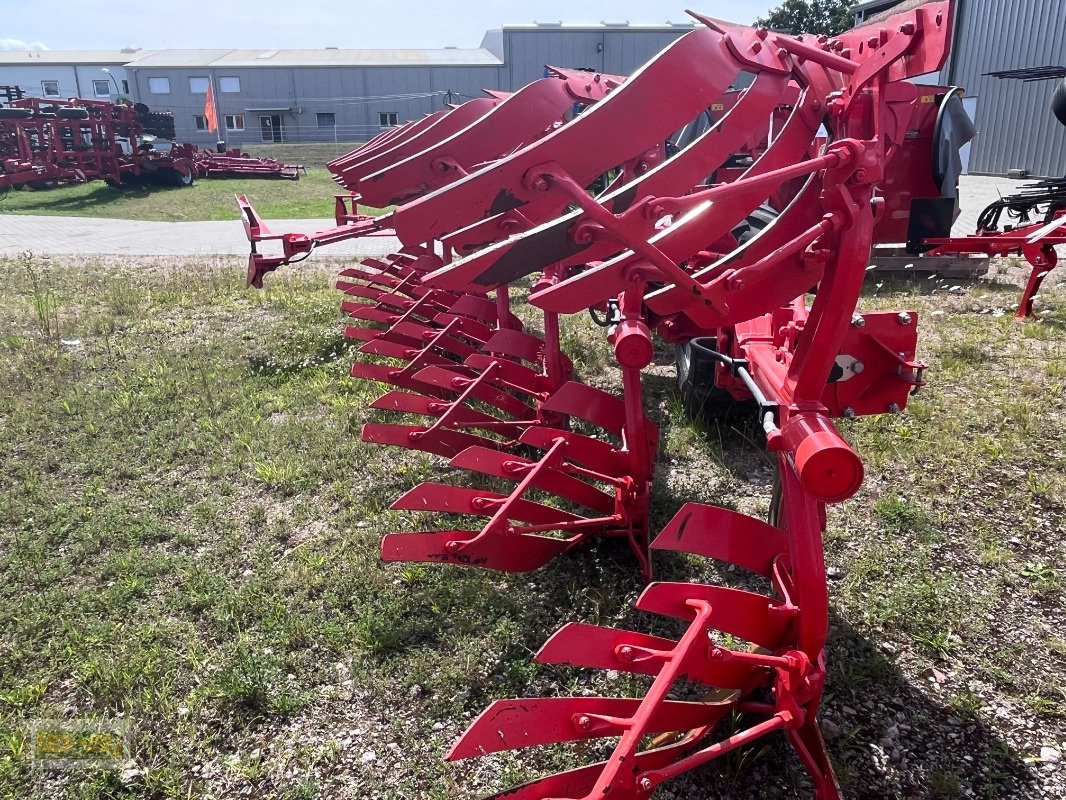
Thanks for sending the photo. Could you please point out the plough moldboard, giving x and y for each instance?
(700, 200)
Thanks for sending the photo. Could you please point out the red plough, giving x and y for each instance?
(644, 209)
(409, 160)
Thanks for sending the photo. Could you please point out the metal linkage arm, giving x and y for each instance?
(657, 100)
(519, 120)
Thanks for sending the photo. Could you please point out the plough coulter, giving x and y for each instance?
(704, 200)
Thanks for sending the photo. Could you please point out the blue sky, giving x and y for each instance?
(107, 24)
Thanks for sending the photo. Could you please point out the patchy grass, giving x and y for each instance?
(311, 197)
(310, 154)
(190, 528)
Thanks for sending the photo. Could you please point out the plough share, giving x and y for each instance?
(646, 209)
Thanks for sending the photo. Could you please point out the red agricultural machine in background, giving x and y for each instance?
(702, 200)
(1029, 224)
(45, 142)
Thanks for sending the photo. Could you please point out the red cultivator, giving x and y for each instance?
(701, 199)
(44, 142)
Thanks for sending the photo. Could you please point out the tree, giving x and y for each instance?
(830, 17)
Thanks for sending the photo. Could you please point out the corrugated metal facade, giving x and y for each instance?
(1017, 128)
(351, 98)
(313, 103)
(612, 49)
(344, 94)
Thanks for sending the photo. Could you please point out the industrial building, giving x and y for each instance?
(1016, 128)
(349, 95)
(331, 93)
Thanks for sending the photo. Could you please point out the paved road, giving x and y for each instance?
(83, 235)
(95, 236)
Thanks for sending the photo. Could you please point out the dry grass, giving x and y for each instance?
(190, 524)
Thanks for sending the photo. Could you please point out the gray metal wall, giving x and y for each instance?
(1017, 128)
(616, 51)
(356, 95)
(303, 92)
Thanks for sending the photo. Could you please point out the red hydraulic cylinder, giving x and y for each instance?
(827, 466)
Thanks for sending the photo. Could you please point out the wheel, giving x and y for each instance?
(695, 381)
(1058, 102)
(760, 218)
(181, 174)
(72, 113)
(16, 113)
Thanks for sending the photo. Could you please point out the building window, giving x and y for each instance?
(387, 119)
(235, 122)
(198, 85)
(159, 85)
(229, 85)
(102, 88)
(50, 88)
(327, 120)
(125, 86)
(200, 121)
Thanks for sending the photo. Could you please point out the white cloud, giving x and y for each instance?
(19, 44)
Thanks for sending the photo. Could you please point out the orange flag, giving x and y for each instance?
(209, 109)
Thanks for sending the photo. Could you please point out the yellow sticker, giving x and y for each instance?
(718, 107)
(928, 98)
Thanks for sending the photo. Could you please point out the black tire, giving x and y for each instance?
(72, 113)
(16, 113)
(700, 397)
(180, 175)
(1058, 102)
(760, 218)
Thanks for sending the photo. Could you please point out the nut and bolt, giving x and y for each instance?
(903, 318)
(893, 408)
(583, 723)
(858, 321)
(849, 412)
(645, 784)
(858, 367)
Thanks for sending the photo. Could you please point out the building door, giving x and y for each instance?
(270, 125)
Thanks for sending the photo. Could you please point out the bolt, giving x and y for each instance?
(907, 28)
(903, 318)
(756, 47)
(762, 33)
(858, 321)
(583, 723)
(849, 412)
(625, 652)
(453, 546)
(540, 184)
(645, 784)
(858, 367)
(861, 175)
(873, 42)
(893, 408)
